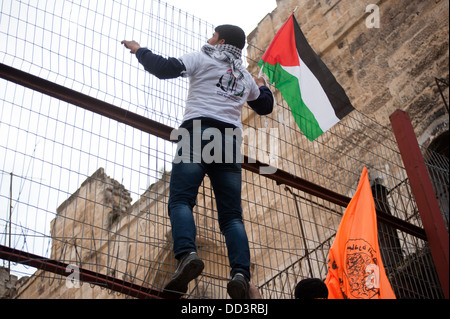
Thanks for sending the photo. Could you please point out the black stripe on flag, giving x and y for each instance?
(334, 91)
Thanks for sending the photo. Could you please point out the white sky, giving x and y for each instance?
(243, 13)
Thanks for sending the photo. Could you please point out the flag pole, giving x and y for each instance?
(262, 67)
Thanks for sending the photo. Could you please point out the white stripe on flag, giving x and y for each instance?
(314, 96)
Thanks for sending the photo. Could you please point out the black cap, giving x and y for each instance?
(232, 35)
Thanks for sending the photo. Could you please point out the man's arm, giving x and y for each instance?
(263, 105)
(160, 67)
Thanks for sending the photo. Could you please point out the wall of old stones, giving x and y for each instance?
(382, 69)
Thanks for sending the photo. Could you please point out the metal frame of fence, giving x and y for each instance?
(69, 127)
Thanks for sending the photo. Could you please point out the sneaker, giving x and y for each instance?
(238, 287)
(189, 268)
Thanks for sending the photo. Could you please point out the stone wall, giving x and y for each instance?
(381, 69)
(81, 236)
(9, 283)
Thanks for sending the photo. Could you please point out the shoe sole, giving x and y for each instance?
(236, 290)
(179, 283)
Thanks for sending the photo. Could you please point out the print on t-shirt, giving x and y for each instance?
(231, 87)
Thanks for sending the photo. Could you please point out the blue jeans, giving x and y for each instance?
(186, 178)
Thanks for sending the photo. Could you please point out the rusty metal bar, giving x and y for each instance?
(163, 131)
(424, 195)
(84, 275)
(284, 178)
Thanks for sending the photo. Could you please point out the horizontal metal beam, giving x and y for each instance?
(424, 195)
(163, 131)
(84, 275)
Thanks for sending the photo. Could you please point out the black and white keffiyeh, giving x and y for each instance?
(229, 54)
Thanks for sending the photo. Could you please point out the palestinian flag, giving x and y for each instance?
(316, 99)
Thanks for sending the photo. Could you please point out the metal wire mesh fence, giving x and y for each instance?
(87, 190)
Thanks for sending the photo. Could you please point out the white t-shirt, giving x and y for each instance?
(214, 92)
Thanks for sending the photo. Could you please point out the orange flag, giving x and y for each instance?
(355, 268)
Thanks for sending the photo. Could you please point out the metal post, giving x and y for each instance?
(10, 218)
(424, 195)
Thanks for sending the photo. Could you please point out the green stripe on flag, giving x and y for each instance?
(289, 87)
